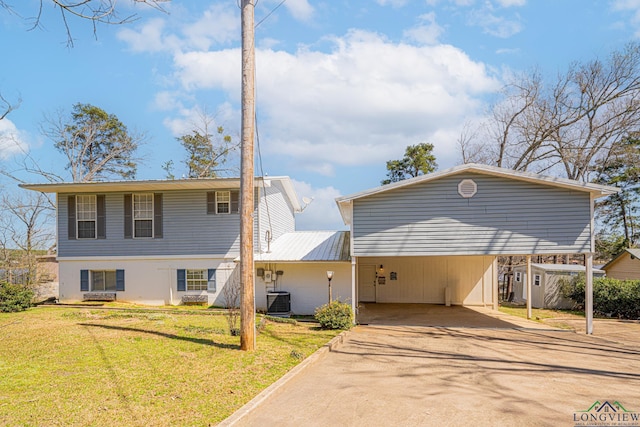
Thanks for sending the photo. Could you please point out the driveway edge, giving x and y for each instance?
(276, 386)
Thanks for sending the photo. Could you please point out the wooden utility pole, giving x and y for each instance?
(247, 301)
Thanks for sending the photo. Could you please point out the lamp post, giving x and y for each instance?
(329, 277)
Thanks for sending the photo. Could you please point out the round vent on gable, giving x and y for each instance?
(467, 188)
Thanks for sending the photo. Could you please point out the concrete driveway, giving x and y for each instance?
(492, 369)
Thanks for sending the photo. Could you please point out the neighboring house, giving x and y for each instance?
(546, 281)
(436, 238)
(625, 265)
(159, 242)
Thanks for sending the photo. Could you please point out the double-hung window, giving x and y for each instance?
(86, 216)
(200, 279)
(143, 215)
(223, 202)
(518, 276)
(537, 279)
(197, 280)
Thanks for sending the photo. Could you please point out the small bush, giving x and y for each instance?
(335, 315)
(14, 297)
(611, 297)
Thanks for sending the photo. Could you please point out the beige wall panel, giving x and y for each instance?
(625, 269)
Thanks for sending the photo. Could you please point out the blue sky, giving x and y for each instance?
(342, 86)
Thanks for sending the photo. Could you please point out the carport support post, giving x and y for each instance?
(528, 285)
(588, 291)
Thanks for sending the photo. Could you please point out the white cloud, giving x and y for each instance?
(300, 9)
(12, 140)
(427, 32)
(493, 24)
(220, 24)
(361, 99)
(322, 213)
(217, 26)
(512, 3)
(148, 38)
(631, 6)
(393, 3)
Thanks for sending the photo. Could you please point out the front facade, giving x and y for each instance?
(159, 242)
(431, 239)
(436, 238)
(547, 280)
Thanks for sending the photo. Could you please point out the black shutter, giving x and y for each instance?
(120, 280)
(182, 280)
(84, 280)
(101, 217)
(211, 202)
(235, 202)
(71, 215)
(128, 216)
(157, 215)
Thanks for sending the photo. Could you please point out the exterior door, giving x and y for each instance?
(524, 286)
(367, 283)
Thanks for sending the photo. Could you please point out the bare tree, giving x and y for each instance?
(231, 294)
(26, 222)
(567, 125)
(7, 106)
(94, 11)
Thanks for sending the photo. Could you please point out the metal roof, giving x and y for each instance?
(163, 185)
(597, 190)
(308, 246)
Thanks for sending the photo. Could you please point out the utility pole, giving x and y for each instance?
(247, 300)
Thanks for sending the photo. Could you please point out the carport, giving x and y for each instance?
(436, 238)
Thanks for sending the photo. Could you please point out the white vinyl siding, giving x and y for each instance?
(86, 214)
(143, 215)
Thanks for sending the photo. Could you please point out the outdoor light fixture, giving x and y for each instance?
(381, 269)
(329, 277)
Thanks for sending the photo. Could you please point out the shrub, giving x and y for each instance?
(14, 297)
(611, 297)
(335, 315)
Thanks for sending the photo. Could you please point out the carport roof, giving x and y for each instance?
(596, 190)
(308, 246)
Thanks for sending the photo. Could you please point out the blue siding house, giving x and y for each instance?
(159, 242)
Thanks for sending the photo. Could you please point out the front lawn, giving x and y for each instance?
(91, 366)
(552, 317)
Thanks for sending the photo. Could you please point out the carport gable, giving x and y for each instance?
(473, 210)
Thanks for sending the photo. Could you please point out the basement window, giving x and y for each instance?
(467, 188)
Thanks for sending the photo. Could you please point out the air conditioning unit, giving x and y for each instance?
(279, 303)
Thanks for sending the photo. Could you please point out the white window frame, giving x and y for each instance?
(537, 279)
(222, 195)
(518, 276)
(93, 273)
(142, 218)
(83, 200)
(191, 279)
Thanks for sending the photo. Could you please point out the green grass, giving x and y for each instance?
(551, 317)
(135, 367)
